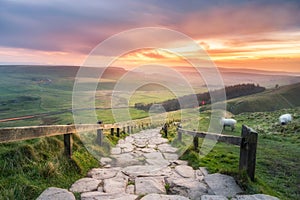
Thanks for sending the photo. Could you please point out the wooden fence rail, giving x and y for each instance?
(13, 134)
(32, 132)
(247, 143)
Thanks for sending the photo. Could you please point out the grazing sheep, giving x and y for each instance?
(228, 122)
(285, 119)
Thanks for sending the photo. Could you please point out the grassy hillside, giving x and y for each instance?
(29, 167)
(277, 166)
(270, 100)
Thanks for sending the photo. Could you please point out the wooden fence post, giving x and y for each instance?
(99, 139)
(248, 151)
(179, 136)
(165, 129)
(112, 131)
(68, 144)
(196, 142)
(118, 132)
(128, 130)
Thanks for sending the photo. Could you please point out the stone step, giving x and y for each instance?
(146, 167)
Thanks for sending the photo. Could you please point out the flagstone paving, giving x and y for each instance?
(144, 166)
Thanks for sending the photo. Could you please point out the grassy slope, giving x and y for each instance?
(29, 167)
(270, 100)
(278, 166)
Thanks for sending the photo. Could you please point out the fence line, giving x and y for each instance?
(13, 134)
(247, 143)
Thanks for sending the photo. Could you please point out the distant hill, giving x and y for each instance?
(270, 100)
(235, 76)
(188, 101)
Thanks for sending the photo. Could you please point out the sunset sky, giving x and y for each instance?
(255, 34)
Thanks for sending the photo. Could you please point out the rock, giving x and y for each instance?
(105, 160)
(199, 175)
(159, 162)
(172, 176)
(100, 189)
(101, 196)
(213, 197)
(130, 189)
(180, 162)
(56, 193)
(147, 185)
(185, 171)
(127, 197)
(152, 146)
(203, 170)
(154, 155)
(148, 150)
(188, 187)
(115, 150)
(121, 141)
(255, 197)
(170, 156)
(85, 185)
(101, 174)
(146, 170)
(157, 140)
(137, 153)
(166, 148)
(163, 197)
(149, 147)
(129, 139)
(141, 143)
(126, 147)
(126, 159)
(156, 158)
(222, 184)
(115, 185)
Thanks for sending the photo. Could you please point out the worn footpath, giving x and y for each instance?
(144, 166)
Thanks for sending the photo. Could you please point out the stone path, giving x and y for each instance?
(145, 167)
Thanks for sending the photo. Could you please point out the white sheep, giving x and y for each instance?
(285, 119)
(228, 122)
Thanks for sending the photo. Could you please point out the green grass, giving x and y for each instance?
(271, 100)
(277, 166)
(274, 99)
(29, 167)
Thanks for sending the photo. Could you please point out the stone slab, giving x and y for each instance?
(148, 185)
(85, 185)
(56, 193)
(221, 184)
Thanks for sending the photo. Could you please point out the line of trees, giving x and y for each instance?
(189, 101)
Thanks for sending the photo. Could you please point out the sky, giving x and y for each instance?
(250, 34)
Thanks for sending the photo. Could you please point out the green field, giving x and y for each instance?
(28, 167)
(270, 100)
(277, 166)
(46, 94)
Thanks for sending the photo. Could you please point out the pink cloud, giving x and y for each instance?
(237, 20)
